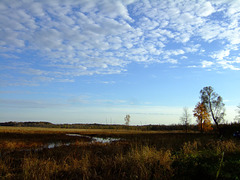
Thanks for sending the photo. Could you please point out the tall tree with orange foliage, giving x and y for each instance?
(203, 117)
(207, 125)
(214, 105)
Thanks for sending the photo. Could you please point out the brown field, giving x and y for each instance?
(40, 130)
(137, 154)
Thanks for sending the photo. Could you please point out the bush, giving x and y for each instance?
(145, 163)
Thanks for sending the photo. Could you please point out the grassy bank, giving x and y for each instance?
(139, 155)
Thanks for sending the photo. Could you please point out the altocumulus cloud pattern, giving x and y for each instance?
(59, 40)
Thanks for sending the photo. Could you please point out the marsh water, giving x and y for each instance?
(92, 140)
(96, 139)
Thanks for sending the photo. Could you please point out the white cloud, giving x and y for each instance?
(234, 7)
(192, 48)
(22, 103)
(115, 9)
(103, 37)
(237, 60)
(108, 82)
(207, 64)
(32, 71)
(66, 80)
(225, 60)
(192, 66)
(221, 54)
(228, 65)
(147, 24)
(168, 54)
(205, 9)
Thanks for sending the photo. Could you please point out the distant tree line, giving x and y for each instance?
(28, 124)
(99, 126)
(226, 128)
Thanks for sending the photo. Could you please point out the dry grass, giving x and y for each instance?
(39, 130)
(12, 145)
(145, 163)
(227, 146)
(149, 163)
(190, 148)
(142, 155)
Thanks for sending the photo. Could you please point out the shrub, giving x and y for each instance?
(145, 163)
(223, 146)
(190, 148)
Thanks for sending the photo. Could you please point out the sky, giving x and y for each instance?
(95, 61)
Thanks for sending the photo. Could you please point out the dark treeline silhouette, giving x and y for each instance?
(28, 124)
(226, 128)
(99, 126)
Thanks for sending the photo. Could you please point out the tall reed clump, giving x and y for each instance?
(5, 166)
(144, 163)
(226, 146)
(75, 168)
(68, 168)
(13, 145)
(35, 168)
(190, 149)
(216, 159)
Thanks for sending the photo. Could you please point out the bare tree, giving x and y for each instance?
(185, 118)
(237, 118)
(214, 104)
(127, 119)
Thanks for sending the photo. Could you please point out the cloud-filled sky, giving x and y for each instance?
(68, 61)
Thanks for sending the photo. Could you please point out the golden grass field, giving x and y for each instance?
(32, 130)
(138, 155)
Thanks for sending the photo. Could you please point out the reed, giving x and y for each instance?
(136, 156)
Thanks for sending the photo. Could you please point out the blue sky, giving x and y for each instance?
(95, 61)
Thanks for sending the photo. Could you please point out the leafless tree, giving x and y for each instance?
(237, 118)
(127, 119)
(185, 118)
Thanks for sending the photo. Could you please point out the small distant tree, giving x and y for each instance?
(214, 105)
(185, 118)
(127, 119)
(237, 118)
(203, 118)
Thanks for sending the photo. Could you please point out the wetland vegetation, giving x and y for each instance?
(132, 154)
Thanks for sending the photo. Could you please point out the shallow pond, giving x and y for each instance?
(92, 140)
(56, 144)
(96, 139)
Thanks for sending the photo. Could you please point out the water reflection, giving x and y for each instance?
(92, 140)
(59, 144)
(55, 144)
(105, 140)
(97, 139)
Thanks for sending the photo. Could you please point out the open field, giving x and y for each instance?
(136, 155)
(33, 130)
